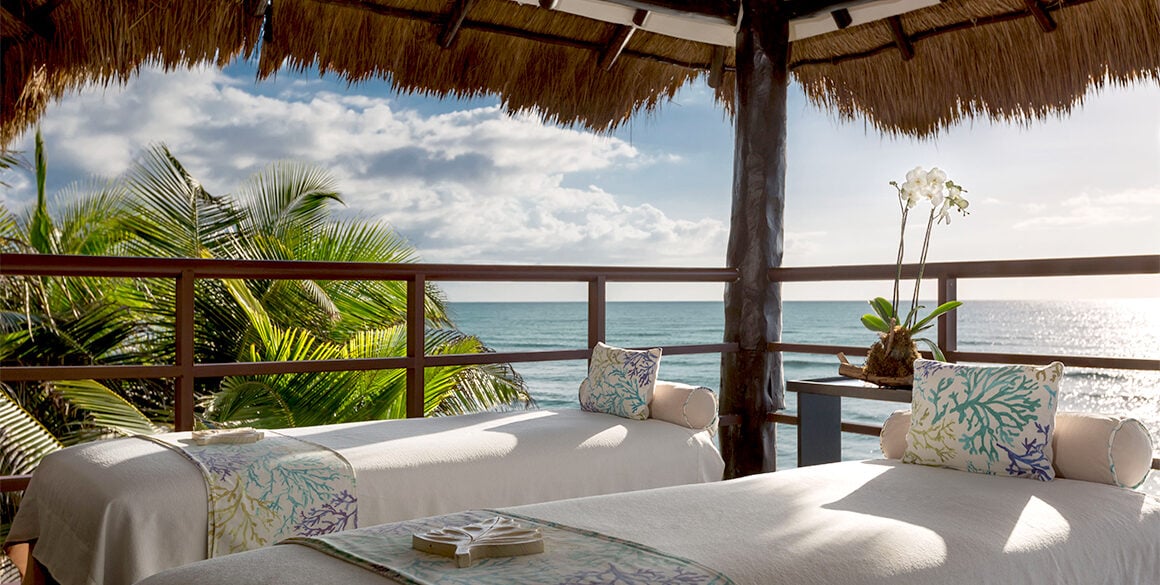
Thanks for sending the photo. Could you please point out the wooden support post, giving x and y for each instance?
(620, 40)
(842, 18)
(752, 380)
(597, 311)
(1041, 15)
(416, 338)
(717, 67)
(900, 38)
(948, 323)
(454, 21)
(183, 397)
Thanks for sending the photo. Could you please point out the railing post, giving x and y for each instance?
(416, 340)
(597, 309)
(948, 323)
(183, 334)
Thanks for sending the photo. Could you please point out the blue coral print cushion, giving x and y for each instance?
(984, 419)
(620, 381)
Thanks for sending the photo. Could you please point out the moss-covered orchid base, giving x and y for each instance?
(893, 355)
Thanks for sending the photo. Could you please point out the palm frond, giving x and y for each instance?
(172, 215)
(287, 201)
(23, 440)
(107, 412)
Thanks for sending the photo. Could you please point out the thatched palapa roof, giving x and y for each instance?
(599, 62)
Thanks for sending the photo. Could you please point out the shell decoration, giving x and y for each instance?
(495, 537)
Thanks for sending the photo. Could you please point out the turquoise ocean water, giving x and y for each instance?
(1122, 328)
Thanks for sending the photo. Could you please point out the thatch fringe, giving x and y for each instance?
(561, 82)
(98, 41)
(1011, 71)
(973, 58)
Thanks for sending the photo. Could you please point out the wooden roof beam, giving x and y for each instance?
(38, 21)
(714, 9)
(1041, 16)
(900, 38)
(842, 18)
(620, 40)
(454, 22)
(717, 67)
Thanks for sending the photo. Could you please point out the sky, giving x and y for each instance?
(466, 183)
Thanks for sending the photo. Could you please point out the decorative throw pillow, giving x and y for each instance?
(620, 381)
(984, 419)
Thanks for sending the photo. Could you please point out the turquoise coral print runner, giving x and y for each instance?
(571, 557)
(275, 488)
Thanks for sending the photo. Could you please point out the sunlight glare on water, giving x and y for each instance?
(1120, 328)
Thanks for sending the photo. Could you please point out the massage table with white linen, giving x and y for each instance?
(117, 511)
(853, 523)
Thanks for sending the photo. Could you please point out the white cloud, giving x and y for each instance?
(1134, 206)
(470, 185)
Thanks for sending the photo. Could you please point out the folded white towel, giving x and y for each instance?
(227, 436)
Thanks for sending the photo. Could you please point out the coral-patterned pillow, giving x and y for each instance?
(620, 381)
(984, 419)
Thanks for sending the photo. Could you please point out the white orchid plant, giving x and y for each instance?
(944, 196)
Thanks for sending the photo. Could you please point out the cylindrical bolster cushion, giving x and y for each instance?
(893, 437)
(1103, 449)
(689, 406)
(1088, 447)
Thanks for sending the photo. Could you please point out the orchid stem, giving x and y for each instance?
(921, 270)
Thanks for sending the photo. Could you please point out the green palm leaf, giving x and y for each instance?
(105, 409)
(23, 440)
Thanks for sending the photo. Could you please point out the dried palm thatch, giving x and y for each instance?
(534, 59)
(53, 46)
(911, 75)
(980, 59)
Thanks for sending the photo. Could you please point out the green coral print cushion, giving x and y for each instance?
(984, 419)
(620, 381)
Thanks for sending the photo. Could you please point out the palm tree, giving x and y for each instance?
(284, 213)
(159, 210)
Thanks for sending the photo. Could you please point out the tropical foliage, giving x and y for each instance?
(158, 209)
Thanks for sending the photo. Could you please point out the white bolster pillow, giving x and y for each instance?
(1103, 449)
(1089, 447)
(893, 437)
(689, 406)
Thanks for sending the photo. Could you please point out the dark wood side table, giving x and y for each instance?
(819, 431)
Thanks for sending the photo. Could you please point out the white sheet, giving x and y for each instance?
(853, 523)
(112, 513)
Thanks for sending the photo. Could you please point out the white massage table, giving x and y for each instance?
(113, 512)
(852, 523)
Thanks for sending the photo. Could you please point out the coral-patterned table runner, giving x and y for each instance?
(571, 556)
(275, 488)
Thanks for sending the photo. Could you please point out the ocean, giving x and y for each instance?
(1119, 328)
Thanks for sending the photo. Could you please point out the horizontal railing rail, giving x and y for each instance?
(947, 274)
(185, 272)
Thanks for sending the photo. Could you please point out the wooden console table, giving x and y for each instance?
(819, 430)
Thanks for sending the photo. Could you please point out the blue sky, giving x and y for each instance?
(466, 183)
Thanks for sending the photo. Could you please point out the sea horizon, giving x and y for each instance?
(1099, 328)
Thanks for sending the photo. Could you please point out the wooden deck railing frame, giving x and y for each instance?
(186, 272)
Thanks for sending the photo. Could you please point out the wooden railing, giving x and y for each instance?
(185, 272)
(947, 275)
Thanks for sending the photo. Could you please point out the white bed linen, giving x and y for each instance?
(852, 523)
(114, 512)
